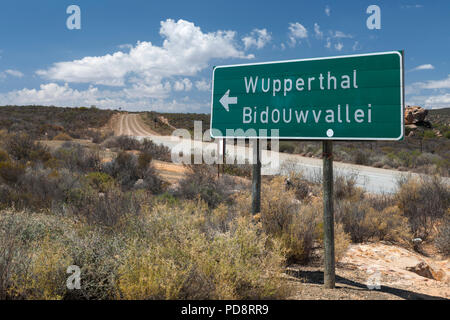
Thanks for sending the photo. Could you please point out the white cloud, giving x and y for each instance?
(423, 67)
(328, 10)
(340, 35)
(435, 101)
(430, 94)
(257, 38)
(338, 46)
(434, 84)
(297, 32)
(125, 46)
(185, 51)
(328, 44)
(202, 85)
(63, 95)
(318, 33)
(183, 85)
(12, 73)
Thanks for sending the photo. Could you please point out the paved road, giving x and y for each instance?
(373, 180)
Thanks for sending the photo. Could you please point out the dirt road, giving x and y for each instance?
(131, 124)
(374, 180)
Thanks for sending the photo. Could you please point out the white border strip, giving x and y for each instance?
(402, 100)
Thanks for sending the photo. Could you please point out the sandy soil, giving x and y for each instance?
(379, 266)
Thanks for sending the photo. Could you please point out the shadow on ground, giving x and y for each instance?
(316, 277)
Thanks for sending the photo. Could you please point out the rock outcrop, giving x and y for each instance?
(415, 115)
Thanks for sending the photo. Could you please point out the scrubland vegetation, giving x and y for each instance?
(164, 123)
(55, 122)
(134, 236)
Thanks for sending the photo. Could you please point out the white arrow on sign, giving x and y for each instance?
(226, 100)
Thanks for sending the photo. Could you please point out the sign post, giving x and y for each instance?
(356, 97)
(256, 179)
(328, 215)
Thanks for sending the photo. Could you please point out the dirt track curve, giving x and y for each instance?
(132, 125)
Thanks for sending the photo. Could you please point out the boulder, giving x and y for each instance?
(415, 115)
(423, 270)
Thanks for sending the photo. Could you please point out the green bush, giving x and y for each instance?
(100, 181)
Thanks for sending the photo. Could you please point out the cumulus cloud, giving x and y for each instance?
(297, 32)
(433, 84)
(258, 38)
(203, 85)
(328, 10)
(430, 94)
(63, 95)
(183, 85)
(185, 51)
(423, 67)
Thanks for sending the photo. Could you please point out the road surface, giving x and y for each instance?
(373, 180)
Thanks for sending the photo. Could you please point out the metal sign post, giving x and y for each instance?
(328, 215)
(256, 179)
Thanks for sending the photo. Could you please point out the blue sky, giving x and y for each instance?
(158, 55)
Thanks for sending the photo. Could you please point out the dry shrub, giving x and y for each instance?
(424, 201)
(284, 218)
(124, 168)
(278, 207)
(62, 137)
(341, 241)
(106, 209)
(364, 223)
(301, 187)
(99, 254)
(75, 157)
(4, 156)
(388, 224)
(40, 188)
(22, 147)
(301, 234)
(33, 254)
(344, 187)
(201, 181)
(158, 152)
(45, 278)
(11, 255)
(442, 240)
(122, 143)
(177, 260)
(152, 181)
(10, 172)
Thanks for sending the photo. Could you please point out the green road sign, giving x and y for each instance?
(358, 97)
